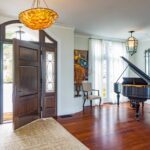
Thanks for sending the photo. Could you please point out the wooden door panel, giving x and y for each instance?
(50, 112)
(28, 54)
(30, 105)
(50, 102)
(50, 105)
(21, 121)
(26, 98)
(28, 80)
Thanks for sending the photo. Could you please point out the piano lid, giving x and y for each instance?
(138, 71)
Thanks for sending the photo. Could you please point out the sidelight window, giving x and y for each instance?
(50, 71)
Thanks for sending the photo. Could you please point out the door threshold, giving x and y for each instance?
(9, 121)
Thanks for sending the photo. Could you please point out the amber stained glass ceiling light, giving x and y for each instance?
(38, 18)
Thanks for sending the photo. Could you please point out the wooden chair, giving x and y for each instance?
(88, 93)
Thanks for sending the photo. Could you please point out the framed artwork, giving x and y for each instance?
(80, 70)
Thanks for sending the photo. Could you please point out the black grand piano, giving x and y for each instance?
(136, 89)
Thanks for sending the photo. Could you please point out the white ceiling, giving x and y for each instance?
(105, 18)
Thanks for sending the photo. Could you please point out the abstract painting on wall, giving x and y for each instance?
(80, 70)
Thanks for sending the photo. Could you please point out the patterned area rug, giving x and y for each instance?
(42, 134)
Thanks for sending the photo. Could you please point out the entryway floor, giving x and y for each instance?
(7, 116)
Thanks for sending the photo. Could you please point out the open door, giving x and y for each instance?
(26, 89)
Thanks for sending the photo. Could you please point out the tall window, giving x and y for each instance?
(113, 66)
(95, 49)
(106, 66)
(50, 71)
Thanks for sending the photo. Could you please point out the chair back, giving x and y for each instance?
(87, 86)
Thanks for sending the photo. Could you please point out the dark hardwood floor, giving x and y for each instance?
(110, 127)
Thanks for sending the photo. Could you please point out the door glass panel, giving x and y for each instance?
(21, 32)
(50, 72)
(7, 81)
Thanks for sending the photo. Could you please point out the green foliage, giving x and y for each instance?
(7, 63)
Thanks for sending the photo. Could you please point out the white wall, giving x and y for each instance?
(81, 42)
(139, 56)
(4, 19)
(138, 59)
(133, 60)
(65, 39)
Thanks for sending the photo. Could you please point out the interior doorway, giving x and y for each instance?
(7, 82)
(9, 31)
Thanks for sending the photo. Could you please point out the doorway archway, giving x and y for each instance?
(48, 76)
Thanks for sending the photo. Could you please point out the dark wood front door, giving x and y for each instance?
(49, 98)
(26, 90)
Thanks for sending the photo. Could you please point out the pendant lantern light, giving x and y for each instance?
(131, 44)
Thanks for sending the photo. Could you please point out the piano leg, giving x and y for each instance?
(133, 103)
(137, 110)
(118, 98)
(142, 104)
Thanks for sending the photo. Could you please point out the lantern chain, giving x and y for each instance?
(33, 4)
(37, 3)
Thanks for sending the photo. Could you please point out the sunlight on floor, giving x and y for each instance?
(7, 104)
